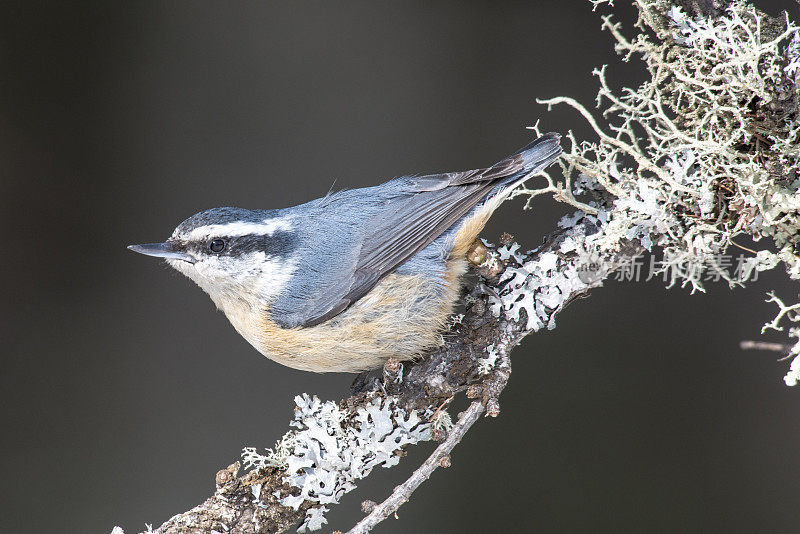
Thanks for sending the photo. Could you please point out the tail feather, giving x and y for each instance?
(532, 158)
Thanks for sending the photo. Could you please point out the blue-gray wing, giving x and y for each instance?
(413, 216)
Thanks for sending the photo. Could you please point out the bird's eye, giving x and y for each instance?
(216, 245)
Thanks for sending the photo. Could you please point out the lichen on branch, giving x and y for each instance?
(704, 155)
(700, 156)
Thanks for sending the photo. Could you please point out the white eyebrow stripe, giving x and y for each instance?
(239, 228)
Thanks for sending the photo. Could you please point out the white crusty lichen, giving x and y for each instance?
(487, 363)
(148, 530)
(440, 421)
(703, 155)
(543, 284)
(792, 314)
(331, 448)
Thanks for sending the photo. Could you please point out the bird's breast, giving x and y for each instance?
(401, 317)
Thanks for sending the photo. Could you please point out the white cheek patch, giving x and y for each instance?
(239, 228)
(275, 276)
(256, 277)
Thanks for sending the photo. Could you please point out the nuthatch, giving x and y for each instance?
(347, 281)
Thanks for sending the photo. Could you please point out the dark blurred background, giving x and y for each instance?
(124, 391)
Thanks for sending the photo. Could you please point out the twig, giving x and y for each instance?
(439, 409)
(743, 248)
(488, 391)
(441, 455)
(748, 344)
(783, 348)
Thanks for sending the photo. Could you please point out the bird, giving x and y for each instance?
(347, 281)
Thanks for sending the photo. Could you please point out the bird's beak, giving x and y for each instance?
(161, 250)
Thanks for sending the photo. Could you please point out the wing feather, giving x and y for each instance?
(411, 221)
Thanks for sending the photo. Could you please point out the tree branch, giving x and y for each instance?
(439, 458)
(644, 192)
(515, 294)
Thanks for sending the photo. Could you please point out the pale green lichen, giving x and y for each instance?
(330, 449)
(705, 152)
(544, 284)
(792, 314)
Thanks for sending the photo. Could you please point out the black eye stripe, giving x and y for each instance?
(278, 243)
(274, 244)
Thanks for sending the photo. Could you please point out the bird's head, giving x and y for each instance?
(237, 256)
